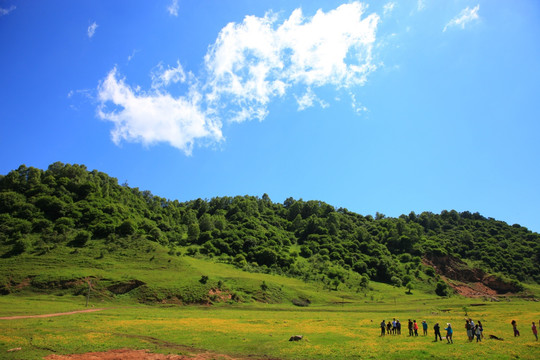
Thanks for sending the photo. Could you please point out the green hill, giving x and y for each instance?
(66, 227)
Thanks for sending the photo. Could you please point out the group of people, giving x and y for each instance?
(473, 330)
(394, 328)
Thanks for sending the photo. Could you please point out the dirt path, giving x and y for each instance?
(49, 315)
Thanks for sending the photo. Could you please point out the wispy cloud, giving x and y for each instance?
(80, 96)
(87, 93)
(357, 105)
(250, 64)
(173, 8)
(388, 8)
(130, 57)
(466, 16)
(309, 99)
(7, 11)
(92, 29)
(420, 5)
(162, 77)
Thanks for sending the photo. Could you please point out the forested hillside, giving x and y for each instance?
(67, 205)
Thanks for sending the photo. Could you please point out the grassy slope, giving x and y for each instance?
(332, 330)
(161, 272)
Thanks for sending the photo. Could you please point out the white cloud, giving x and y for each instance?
(154, 117)
(388, 8)
(466, 16)
(92, 29)
(256, 60)
(250, 64)
(7, 11)
(173, 8)
(420, 5)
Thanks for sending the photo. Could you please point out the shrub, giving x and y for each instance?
(396, 281)
(81, 238)
(430, 272)
(442, 289)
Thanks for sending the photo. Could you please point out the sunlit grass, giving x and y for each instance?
(339, 324)
(330, 331)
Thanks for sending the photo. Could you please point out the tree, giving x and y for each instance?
(51, 206)
(336, 283)
(193, 232)
(21, 245)
(240, 260)
(126, 228)
(266, 257)
(364, 281)
(206, 223)
(409, 287)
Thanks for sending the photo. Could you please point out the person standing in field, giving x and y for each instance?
(437, 330)
(410, 325)
(481, 329)
(469, 330)
(534, 330)
(415, 327)
(398, 327)
(449, 333)
(383, 328)
(389, 328)
(394, 326)
(424, 327)
(514, 326)
(478, 333)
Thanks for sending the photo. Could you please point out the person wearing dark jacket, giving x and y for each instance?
(437, 330)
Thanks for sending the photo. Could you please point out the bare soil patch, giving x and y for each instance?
(476, 289)
(129, 354)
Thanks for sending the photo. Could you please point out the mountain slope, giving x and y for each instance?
(67, 209)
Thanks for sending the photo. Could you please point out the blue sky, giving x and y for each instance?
(381, 106)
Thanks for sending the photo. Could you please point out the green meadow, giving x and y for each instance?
(337, 324)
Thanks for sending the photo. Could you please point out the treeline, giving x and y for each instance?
(69, 205)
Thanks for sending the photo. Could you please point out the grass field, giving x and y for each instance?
(344, 331)
(341, 324)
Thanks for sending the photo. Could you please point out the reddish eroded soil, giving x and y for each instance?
(468, 281)
(219, 295)
(473, 289)
(47, 315)
(128, 354)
